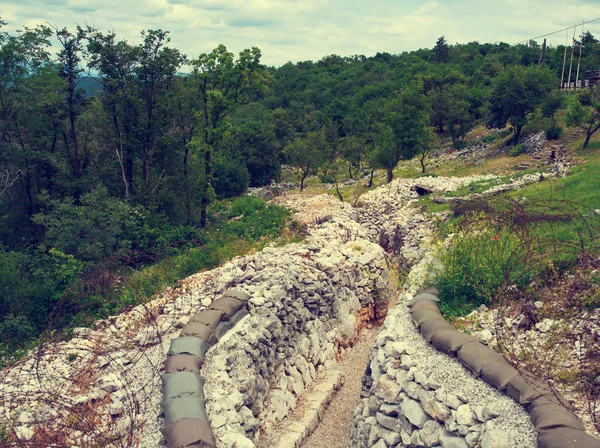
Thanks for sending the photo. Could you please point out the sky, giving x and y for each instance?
(300, 30)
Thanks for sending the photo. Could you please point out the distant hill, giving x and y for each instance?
(91, 85)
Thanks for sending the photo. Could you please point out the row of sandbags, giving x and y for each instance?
(183, 404)
(557, 427)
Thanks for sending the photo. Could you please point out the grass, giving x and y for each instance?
(469, 277)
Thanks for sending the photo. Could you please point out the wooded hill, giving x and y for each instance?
(114, 151)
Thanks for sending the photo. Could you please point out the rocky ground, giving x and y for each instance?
(103, 386)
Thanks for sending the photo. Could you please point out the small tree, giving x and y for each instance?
(405, 132)
(517, 92)
(586, 112)
(552, 104)
(307, 154)
(441, 53)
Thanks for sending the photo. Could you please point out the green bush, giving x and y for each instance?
(477, 263)
(489, 138)
(517, 150)
(554, 132)
(231, 177)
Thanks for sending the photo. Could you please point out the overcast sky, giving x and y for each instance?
(295, 30)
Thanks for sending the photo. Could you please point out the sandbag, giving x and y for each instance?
(562, 437)
(229, 305)
(425, 314)
(180, 408)
(430, 304)
(498, 373)
(182, 385)
(238, 316)
(189, 433)
(188, 345)
(475, 355)
(200, 330)
(423, 296)
(429, 328)
(450, 340)
(208, 317)
(526, 387)
(546, 415)
(183, 363)
(222, 329)
(240, 295)
(430, 290)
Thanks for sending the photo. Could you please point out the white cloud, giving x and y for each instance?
(310, 29)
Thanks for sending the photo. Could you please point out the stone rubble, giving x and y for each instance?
(410, 389)
(305, 299)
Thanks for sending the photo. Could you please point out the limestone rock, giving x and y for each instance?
(413, 411)
(447, 440)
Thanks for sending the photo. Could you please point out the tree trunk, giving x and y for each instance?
(370, 184)
(304, 174)
(588, 135)
(207, 173)
(337, 189)
(390, 175)
(518, 130)
(350, 170)
(422, 160)
(587, 139)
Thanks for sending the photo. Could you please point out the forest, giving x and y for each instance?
(115, 156)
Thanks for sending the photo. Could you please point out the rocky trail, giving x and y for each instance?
(103, 386)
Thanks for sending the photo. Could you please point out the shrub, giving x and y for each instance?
(507, 243)
(477, 263)
(231, 177)
(517, 150)
(489, 138)
(554, 132)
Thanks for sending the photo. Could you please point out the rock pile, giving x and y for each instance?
(303, 305)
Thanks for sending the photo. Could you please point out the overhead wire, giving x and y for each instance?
(559, 31)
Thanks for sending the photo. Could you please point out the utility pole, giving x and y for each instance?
(572, 52)
(562, 78)
(542, 60)
(579, 62)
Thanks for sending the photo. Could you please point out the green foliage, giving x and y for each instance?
(554, 132)
(516, 150)
(517, 92)
(552, 104)
(231, 176)
(586, 112)
(441, 51)
(477, 263)
(97, 228)
(307, 154)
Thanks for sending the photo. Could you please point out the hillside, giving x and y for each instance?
(218, 251)
(108, 375)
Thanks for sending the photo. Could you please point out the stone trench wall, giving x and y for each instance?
(417, 396)
(304, 303)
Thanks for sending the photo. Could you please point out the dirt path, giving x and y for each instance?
(332, 432)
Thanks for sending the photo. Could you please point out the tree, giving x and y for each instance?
(586, 112)
(69, 59)
(552, 104)
(516, 93)
(222, 84)
(441, 53)
(440, 101)
(307, 154)
(157, 67)
(405, 131)
(460, 121)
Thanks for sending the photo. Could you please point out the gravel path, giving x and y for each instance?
(333, 430)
